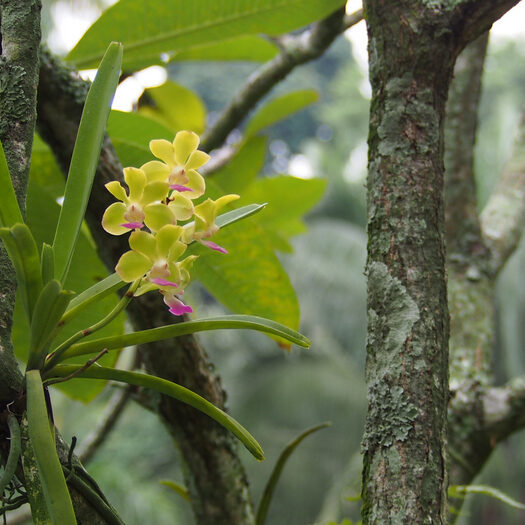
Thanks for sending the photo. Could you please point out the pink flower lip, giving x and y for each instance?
(163, 282)
(179, 187)
(132, 225)
(180, 309)
(214, 246)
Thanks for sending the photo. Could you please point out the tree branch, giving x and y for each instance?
(295, 50)
(20, 38)
(503, 218)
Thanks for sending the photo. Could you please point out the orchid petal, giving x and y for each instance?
(224, 200)
(177, 307)
(166, 237)
(163, 150)
(196, 183)
(176, 250)
(132, 265)
(158, 215)
(115, 188)
(156, 171)
(188, 231)
(155, 191)
(197, 159)
(144, 243)
(184, 144)
(181, 206)
(113, 218)
(214, 246)
(136, 180)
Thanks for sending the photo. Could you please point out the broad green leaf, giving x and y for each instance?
(22, 250)
(250, 278)
(149, 29)
(50, 305)
(249, 48)
(279, 109)
(176, 107)
(85, 158)
(170, 389)
(241, 171)
(10, 212)
(288, 198)
(227, 322)
(42, 439)
(460, 491)
(266, 498)
(131, 133)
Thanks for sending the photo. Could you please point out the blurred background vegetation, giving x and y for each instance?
(277, 394)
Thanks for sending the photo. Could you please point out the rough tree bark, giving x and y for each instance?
(413, 45)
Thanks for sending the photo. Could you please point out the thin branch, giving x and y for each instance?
(503, 218)
(114, 410)
(295, 50)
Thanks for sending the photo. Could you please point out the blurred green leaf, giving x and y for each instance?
(9, 211)
(176, 107)
(241, 171)
(176, 487)
(250, 278)
(461, 491)
(148, 29)
(249, 48)
(84, 160)
(131, 133)
(266, 498)
(288, 198)
(279, 109)
(170, 389)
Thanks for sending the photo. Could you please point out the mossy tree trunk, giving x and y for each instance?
(412, 50)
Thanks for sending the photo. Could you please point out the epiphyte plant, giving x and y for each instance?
(158, 209)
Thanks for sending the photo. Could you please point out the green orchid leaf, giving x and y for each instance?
(176, 107)
(15, 448)
(23, 252)
(50, 306)
(47, 263)
(266, 498)
(85, 159)
(279, 109)
(94, 293)
(460, 491)
(166, 26)
(10, 212)
(170, 389)
(227, 322)
(43, 442)
(248, 48)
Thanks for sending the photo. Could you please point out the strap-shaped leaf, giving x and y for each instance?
(170, 389)
(49, 308)
(10, 212)
(266, 498)
(94, 293)
(227, 322)
(47, 263)
(51, 475)
(15, 448)
(85, 158)
(23, 252)
(460, 491)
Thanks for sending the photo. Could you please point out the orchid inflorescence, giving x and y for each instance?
(159, 211)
